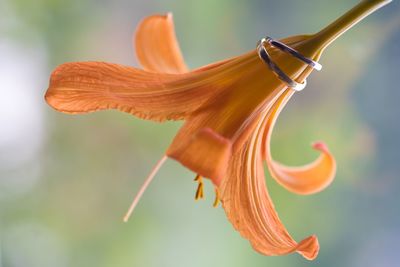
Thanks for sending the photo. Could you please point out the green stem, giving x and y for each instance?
(330, 33)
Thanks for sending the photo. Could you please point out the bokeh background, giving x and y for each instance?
(66, 181)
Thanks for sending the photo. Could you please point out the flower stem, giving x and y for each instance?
(330, 33)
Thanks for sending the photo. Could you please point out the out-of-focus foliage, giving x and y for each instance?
(66, 181)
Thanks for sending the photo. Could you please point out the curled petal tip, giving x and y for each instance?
(50, 99)
(156, 45)
(320, 146)
(47, 97)
(307, 179)
(309, 247)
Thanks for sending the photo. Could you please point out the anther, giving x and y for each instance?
(216, 200)
(200, 187)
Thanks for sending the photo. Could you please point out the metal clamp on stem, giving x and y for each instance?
(263, 53)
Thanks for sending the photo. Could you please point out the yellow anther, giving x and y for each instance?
(200, 188)
(200, 191)
(216, 200)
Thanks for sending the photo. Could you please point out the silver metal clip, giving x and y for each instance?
(263, 54)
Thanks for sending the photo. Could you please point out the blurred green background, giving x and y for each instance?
(66, 181)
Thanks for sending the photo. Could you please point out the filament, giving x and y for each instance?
(144, 186)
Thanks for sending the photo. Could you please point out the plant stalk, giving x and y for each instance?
(330, 33)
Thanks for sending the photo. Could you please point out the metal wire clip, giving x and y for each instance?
(263, 53)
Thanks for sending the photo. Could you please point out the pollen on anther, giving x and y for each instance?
(200, 188)
(216, 200)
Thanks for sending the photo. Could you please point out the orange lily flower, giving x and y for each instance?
(229, 108)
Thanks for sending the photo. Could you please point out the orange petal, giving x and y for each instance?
(157, 48)
(229, 121)
(90, 86)
(307, 179)
(231, 115)
(248, 205)
(207, 152)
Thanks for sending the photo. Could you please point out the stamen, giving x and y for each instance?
(216, 200)
(200, 188)
(144, 186)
